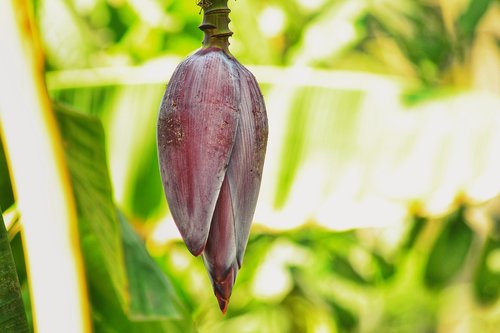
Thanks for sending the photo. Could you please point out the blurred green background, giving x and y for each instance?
(379, 207)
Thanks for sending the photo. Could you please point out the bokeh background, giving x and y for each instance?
(379, 207)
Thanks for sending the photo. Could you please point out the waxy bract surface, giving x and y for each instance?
(212, 135)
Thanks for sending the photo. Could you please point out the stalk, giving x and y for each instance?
(40, 179)
(215, 24)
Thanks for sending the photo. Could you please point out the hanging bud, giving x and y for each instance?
(212, 136)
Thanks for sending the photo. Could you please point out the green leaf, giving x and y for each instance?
(346, 320)
(385, 269)
(131, 120)
(417, 224)
(487, 277)
(131, 110)
(128, 291)
(449, 252)
(12, 314)
(16, 245)
(83, 139)
(6, 194)
(146, 193)
(342, 267)
(151, 294)
(470, 18)
(293, 149)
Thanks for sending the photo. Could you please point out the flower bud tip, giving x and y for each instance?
(222, 304)
(223, 288)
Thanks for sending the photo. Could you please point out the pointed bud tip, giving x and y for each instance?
(223, 289)
(222, 304)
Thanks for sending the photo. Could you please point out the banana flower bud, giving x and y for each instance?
(212, 135)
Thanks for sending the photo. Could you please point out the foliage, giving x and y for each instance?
(125, 284)
(378, 209)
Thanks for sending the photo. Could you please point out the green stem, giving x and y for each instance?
(215, 23)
